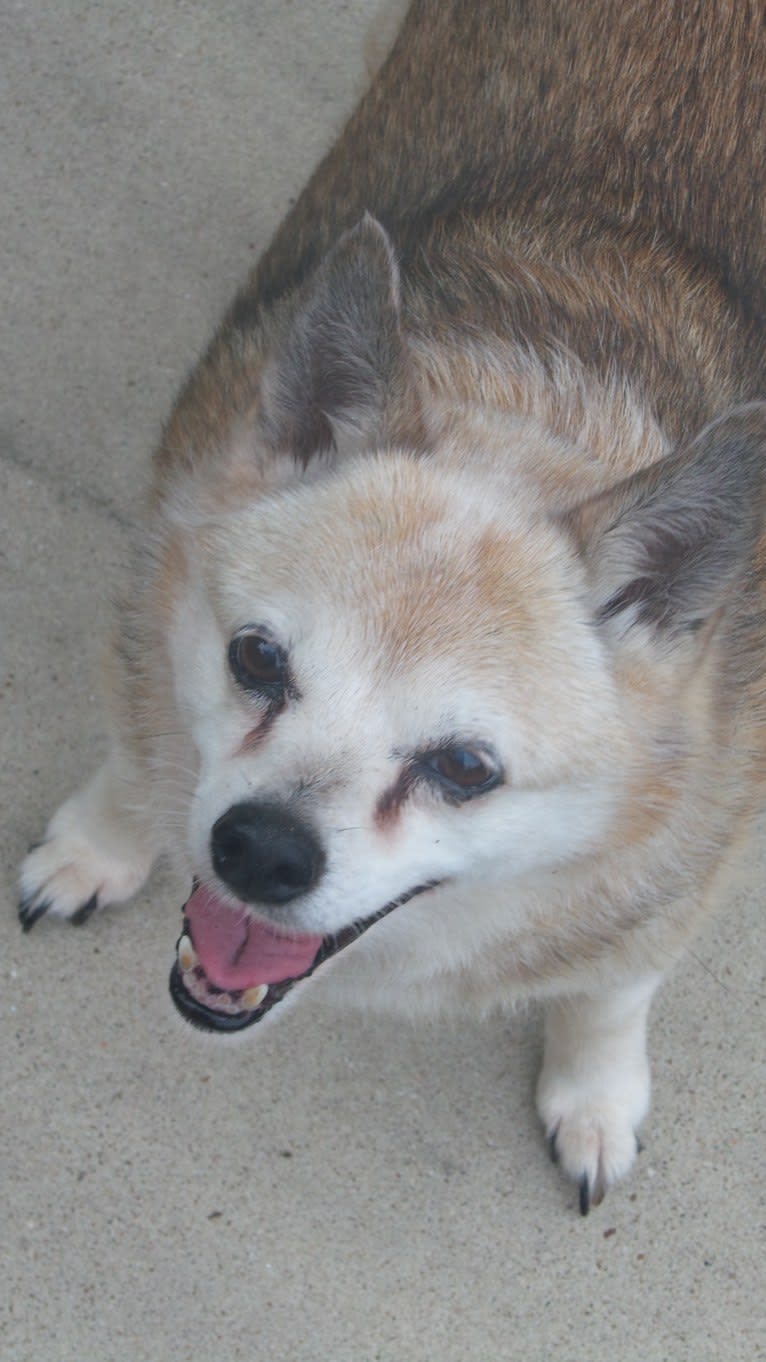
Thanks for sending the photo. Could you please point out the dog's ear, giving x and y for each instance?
(325, 385)
(668, 546)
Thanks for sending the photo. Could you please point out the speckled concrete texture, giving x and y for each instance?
(333, 1189)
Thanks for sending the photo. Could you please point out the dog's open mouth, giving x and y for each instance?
(231, 968)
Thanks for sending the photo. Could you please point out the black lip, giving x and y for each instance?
(198, 1014)
(207, 1019)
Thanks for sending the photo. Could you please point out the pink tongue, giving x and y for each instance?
(238, 951)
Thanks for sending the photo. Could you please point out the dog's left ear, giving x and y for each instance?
(326, 384)
(669, 545)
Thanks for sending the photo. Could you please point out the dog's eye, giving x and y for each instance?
(464, 770)
(258, 664)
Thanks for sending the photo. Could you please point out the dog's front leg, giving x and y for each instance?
(593, 1091)
(98, 848)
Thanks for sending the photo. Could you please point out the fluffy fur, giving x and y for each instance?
(480, 445)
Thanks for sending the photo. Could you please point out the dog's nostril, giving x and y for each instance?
(230, 846)
(291, 873)
(264, 854)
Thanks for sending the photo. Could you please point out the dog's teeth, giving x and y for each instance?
(187, 956)
(223, 1002)
(253, 997)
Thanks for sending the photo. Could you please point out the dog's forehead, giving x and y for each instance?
(410, 563)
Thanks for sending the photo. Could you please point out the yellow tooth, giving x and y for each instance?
(253, 997)
(187, 956)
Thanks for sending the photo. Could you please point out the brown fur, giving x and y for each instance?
(587, 175)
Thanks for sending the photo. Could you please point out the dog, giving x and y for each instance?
(447, 635)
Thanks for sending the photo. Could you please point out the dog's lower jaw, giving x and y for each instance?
(211, 1008)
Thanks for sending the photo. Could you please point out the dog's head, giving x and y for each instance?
(403, 673)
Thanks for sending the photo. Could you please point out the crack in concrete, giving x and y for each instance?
(95, 501)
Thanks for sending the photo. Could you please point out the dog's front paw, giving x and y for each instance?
(593, 1091)
(90, 856)
(66, 876)
(592, 1125)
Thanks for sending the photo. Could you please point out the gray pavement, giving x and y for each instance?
(334, 1189)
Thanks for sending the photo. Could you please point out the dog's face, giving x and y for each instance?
(394, 692)
(413, 688)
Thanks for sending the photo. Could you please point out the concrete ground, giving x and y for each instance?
(333, 1190)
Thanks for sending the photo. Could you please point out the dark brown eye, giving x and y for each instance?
(464, 770)
(258, 664)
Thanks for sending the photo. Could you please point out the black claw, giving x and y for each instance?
(35, 846)
(88, 909)
(29, 913)
(584, 1194)
(639, 1146)
(553, 1148)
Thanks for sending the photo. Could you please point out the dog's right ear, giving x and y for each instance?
(326, 384)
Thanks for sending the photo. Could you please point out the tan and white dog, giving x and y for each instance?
(448, 630)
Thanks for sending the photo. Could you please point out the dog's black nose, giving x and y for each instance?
(265, 854)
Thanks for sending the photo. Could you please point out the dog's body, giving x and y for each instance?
(454, 608)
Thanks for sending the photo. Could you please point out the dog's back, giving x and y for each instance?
(610, 153)
(650, 116)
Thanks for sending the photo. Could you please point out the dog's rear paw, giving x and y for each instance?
(89, 857)
(592, 1130)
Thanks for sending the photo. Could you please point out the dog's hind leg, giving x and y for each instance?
(98, 848)
(593, 1091)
